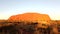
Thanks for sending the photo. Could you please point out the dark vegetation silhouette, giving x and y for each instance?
(28, 28)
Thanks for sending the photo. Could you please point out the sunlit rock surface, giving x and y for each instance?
(34, 17)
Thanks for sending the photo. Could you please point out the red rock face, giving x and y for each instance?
(30, 17)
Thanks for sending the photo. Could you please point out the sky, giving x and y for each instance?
(14, 7)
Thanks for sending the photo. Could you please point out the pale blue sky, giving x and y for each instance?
(13, 7)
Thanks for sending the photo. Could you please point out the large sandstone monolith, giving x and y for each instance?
(30, 17)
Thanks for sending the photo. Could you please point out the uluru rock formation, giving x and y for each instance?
(30, 17)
